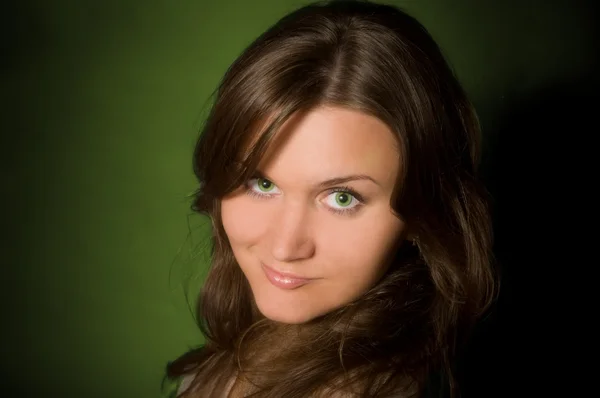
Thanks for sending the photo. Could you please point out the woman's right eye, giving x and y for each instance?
(261, 187)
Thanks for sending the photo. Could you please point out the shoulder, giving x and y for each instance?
(185, 383)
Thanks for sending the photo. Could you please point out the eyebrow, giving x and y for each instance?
(345, 179)
(333, 181)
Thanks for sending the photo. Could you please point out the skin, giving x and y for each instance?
(290, 223)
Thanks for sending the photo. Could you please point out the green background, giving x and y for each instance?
(101, 106)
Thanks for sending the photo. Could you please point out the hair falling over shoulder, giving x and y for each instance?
(378, 60)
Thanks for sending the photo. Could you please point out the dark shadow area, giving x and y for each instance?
(541, 175)
(538, 180)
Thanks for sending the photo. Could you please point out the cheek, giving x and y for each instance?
(242, 223)
(360, 253)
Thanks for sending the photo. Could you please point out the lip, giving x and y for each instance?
(284, 280)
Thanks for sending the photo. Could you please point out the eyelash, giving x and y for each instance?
(343, 189)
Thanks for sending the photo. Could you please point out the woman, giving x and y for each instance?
(351, 235)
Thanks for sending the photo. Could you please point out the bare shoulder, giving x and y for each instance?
(186, 381)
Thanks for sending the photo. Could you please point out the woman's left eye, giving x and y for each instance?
(343, 201)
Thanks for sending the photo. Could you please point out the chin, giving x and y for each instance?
(288, 320)
(281, 314)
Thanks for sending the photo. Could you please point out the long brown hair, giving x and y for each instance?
(378, 60)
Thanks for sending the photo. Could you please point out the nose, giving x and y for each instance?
(291, 234)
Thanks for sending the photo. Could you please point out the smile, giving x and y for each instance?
(284, 281)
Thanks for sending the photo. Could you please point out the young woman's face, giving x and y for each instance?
(314, 230)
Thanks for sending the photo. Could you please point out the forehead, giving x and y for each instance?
(328, 142)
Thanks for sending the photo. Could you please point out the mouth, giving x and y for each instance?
(284, 280)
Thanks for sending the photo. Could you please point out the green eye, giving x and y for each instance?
(343, 199)
(265, 185)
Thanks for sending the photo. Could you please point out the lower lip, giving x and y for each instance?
(282, 281)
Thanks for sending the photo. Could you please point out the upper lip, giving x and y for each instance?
(286, 274)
